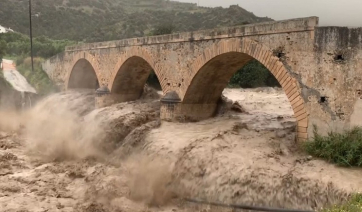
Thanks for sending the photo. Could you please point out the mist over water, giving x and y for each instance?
(55, 128)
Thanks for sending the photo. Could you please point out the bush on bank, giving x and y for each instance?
(354, 205)
(3, 82)
(344, 149)
(38, 79)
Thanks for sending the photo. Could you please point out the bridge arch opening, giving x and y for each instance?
(131, 78)
(153, 81)
(253, 75)
(83, 76)
(207, 84)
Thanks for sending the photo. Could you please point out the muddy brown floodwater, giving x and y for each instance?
(65, 155)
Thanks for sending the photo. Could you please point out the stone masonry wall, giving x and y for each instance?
(333, 88)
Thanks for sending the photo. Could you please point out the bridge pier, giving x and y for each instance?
(186, 112)
(172, 109)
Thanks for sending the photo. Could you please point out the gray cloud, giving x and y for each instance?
(330, 12)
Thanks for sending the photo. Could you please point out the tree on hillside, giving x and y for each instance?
(98, 21)
(163, 30)
(3, 48)
(16, 44)
(242, 23)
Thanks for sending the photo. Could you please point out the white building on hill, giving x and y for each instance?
(5, 30)
(2, 29)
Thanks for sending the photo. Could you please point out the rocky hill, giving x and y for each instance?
(100, 20)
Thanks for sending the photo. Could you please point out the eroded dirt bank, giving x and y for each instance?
(66, 156)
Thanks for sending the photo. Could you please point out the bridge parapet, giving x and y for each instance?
(265, 28)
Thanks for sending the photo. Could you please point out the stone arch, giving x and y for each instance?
(207, 77)
(131, 73)
(84, 72)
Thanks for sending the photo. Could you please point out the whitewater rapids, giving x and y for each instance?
(65, 155)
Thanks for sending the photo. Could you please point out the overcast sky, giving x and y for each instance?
(330, 12)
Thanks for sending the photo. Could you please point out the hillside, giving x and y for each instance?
(100, 20)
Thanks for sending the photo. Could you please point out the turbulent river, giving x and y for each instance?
(65, 155)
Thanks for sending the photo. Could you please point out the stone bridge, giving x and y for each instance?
(319, 68)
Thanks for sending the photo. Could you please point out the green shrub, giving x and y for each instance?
(344, 149)
(20, 60)
(252, 75)
(38, 79)
(4, 82)
(16, 44)
(354, 205)
(3, 48)
(163, 30)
